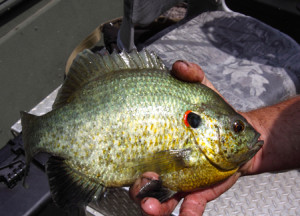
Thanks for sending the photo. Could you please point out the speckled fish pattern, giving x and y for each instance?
(117, 116)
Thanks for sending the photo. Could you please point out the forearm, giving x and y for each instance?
(279, 126)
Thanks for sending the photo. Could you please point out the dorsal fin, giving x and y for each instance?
(88, 66)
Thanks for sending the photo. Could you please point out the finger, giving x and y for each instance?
(153, 207)
(215, 191)
(140, 182)
(191, 72)
(187, 71)
(194, 203)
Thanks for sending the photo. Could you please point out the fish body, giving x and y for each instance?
(119, 115)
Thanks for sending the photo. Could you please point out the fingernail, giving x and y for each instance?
(184, 66)
(144, 200)
(184, 62)
(237, 174)
(145, 181)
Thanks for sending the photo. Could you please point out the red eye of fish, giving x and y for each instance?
(191, 119)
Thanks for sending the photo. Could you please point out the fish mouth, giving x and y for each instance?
(255, 145)
(256, 142)
(259, 143)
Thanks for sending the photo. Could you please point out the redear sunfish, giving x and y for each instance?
(117, 116)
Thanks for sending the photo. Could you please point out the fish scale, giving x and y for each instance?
(118, 116)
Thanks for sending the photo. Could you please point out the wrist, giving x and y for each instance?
(279, 128)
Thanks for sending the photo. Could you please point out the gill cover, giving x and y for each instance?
(235, 142)
(225, 137)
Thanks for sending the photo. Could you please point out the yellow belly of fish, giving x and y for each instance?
(201, 176)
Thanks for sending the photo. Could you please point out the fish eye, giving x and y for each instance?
(191, 119)
(238, 126)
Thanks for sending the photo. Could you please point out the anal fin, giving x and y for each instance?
(68, 187)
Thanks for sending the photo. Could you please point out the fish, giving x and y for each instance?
(119, 115)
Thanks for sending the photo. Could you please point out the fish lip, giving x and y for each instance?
(256, 148)
(257, 143)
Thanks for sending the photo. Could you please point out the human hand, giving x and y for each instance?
(194, 203)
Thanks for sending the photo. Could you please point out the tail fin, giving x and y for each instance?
(28, 134)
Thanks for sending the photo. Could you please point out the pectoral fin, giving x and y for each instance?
(162, 162)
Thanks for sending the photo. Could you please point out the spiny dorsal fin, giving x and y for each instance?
(68, 187)
(88, 66)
